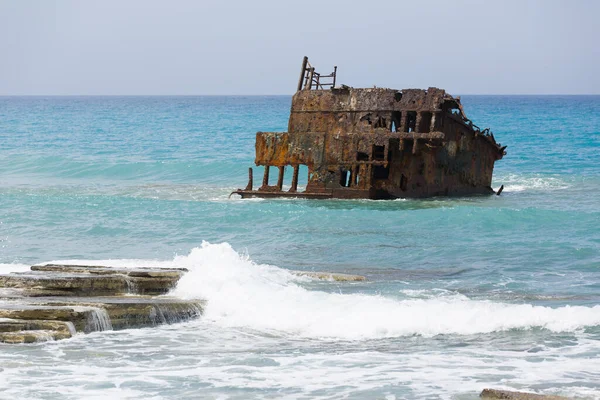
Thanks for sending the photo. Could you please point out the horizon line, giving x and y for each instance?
(273, 95)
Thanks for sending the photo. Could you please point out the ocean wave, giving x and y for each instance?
(267, 298)
(245, 294)
(8, 268)
(520, 183)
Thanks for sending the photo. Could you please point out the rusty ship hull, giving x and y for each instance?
(375, 143)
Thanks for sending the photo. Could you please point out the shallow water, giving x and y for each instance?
(462, 293)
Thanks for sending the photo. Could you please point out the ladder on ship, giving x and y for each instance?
(310, 79)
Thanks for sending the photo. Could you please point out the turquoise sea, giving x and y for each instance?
(462, 293)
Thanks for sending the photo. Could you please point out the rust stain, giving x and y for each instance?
(375, 143)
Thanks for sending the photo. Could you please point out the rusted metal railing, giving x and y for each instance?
(310, 79)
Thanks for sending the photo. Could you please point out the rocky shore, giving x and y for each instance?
(52, 302)
(494, 394)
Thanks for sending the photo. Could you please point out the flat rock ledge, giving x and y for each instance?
(509, 395)
(330, 276)
(52, 302)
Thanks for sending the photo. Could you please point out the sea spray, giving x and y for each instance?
(241, 293)
(98, 320)
(42, 336)
(132, 286)
(9, 268)
(533, 182)
(71, 327)
(173, 313)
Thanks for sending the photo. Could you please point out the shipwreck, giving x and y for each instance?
(374, 143)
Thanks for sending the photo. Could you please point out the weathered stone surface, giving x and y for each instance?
(54, 301)
(72, 282)
(17, 293)
(330, 276)
(28, 311)
(91, 281)
(133, 311)
(510, 395)
(104, 270)
(29, 337)
(19, 331)
(122, 312)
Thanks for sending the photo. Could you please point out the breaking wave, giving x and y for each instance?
(248, 295)
(242, 293)
(8, 268)
(519, 183)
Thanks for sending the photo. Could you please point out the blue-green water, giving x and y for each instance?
(463, 293)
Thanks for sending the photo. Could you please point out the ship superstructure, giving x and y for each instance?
(374, 143)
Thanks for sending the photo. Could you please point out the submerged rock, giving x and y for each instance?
(53, 302)
(330, 276)
(19, 331)
(510, 395)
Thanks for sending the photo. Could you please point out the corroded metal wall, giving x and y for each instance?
(381, 143)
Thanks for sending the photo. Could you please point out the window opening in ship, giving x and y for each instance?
(381, 172)
(288, 177)
(411, 121)
(344, 178)
(302, 177)
(396, 118)
(273, 176)
(258, 174)
(380, 123)
(366, 119)
(378, 153)
(425, 122)
(360, 156)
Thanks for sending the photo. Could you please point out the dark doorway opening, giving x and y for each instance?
(411, 121)
(345, 178)
(396, 121)
(381, 172)
(378, 153)
(360, 156)
(425, 124)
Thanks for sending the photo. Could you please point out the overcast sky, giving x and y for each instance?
(196, 47)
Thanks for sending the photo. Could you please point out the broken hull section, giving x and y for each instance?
(376, 144)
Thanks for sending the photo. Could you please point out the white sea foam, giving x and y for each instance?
(520, 183)
(241, 293)
(245, 294)
(254, 309)
(8, 268)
